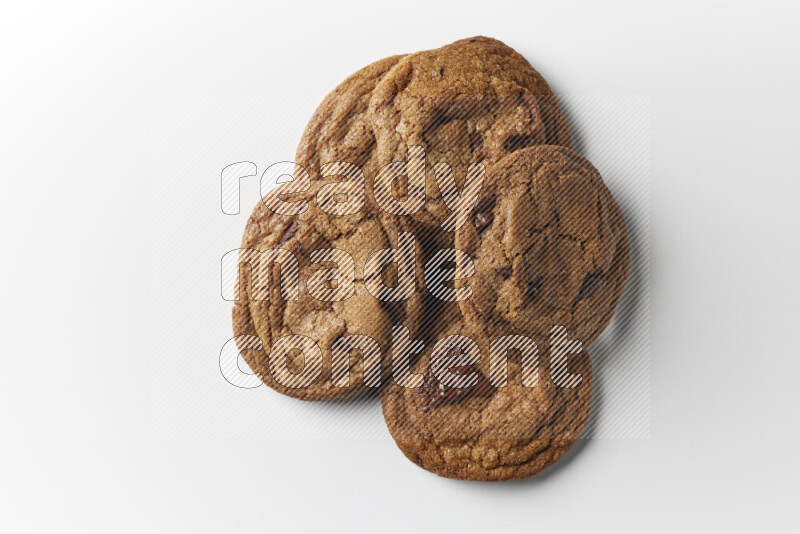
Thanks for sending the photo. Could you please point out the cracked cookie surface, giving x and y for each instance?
(549, 247)
(339, 131)
(342, 130)
(473, 101)
(483, 432)
(321, 321)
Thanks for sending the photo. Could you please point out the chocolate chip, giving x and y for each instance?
(483, 387)
(345, 340)
(505, 272)
(442, 119)
(433, 394)
(534, 287)
(483, 220)
(475, 141)
(516, 142)
(397, 312)
(593, 281)
(460, 369)
(288, 233)
(482, 215)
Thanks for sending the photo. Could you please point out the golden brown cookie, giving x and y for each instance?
(342, 130)
(339, 131)
(338, 139)
(324, 309)
(549, 247)
(488, 429)
(473, 101)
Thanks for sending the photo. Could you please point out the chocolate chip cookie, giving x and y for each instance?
(327, 311)
(342, 130)
(473, 101)
(549, 247)
(467, 420)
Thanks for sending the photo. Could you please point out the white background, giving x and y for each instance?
(78, 451)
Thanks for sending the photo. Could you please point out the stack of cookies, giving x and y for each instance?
(447, 248)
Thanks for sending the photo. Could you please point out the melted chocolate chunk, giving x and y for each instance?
(516, 142)
(505, 272)
(396, 310)
(475, 141)
(441, 119)
(593, 281)
(534, 287)
(344, 341)
(482, 215)
(432, 394)
(288, 233)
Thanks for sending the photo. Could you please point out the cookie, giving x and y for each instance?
(326, 320)
(473, 101)
(488, 428)
(342, 130)
(549, 247)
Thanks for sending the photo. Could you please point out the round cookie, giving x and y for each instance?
(473, 101)
(342, 130)
(549, 247)
(317, 310)
(484, 432)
